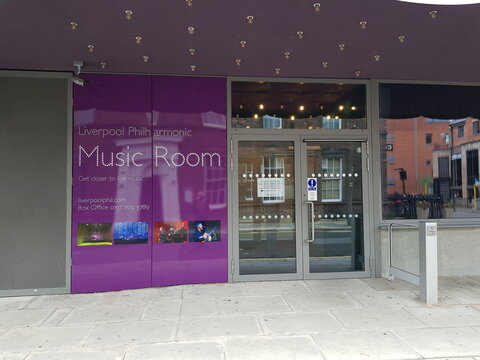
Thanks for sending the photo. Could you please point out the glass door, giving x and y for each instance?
(265, 209)
(333, 190)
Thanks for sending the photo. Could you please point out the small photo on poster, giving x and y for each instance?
(204, 231)
(130, 233)
(94, 234)
(170, 232)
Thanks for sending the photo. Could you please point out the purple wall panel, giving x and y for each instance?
(168, 172)
(112, 115)
(189, 119)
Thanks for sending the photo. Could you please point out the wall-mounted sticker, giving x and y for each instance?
(170, 232)
(94, 234)
(130, 233)
(267, 187)
(204, 231)
(312, 189)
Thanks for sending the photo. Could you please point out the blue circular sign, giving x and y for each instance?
(312, 182)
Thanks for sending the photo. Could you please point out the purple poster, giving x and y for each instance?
(189, 180)
(112, 184)
(150, 182)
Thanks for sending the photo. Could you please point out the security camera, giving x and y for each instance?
(79, 81)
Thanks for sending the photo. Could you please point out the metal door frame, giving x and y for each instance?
(301, 211)
(307, 275)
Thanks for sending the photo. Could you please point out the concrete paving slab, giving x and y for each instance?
(455, 282)
(162, 310)
(340, 285)
(21, 318)
(132, 332)
(65, 301)
(13, 356)
(381, 284)
(36, 338)
(372, 345)
(387, 298)
(252, 305)
(277, 288)
(102, 353)
(377, 319)
(141, 297)
(447, 316)
(215, 290)
(99, 314)
(176, 351)
(317, 302)
(443, 298)
(301, 323)
(272, 348)
(199, 307)
(443, 342)
(56, 317)
(464, 295)
(200, 327)
(15, 303)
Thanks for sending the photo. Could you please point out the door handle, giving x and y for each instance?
(312, 221)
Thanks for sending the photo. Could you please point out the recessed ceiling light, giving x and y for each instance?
(300, 34)
(325, 64)
(192, 51)
(74, 25)
(317, 6)
(377, 57)
(189, 2)
(277, 71)
(363, 24)
(138, 39)
(287, 55)
(90, 48)
(401, 38)
(250, 19)
(238, 62)
(433, 14)
(128, 14)
(191, 30)
(103, 65)
(261, 106)
(341, 47)
(146, 58)
(243, 43)
(357, 73)
(193, 67)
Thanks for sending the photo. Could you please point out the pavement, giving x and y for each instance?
(317, 319)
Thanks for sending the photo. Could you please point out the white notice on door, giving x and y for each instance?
(312, 189)
(271, 187)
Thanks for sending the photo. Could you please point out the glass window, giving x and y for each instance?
(428, 138)
(476, 128)
(277, 105)
(429, 159)
(332, 180)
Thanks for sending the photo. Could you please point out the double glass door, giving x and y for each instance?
(299, 208)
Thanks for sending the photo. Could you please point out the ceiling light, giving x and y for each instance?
(336, 117)
(238, 62)
(325, 64)
(191, 30)
(353, 108)
(192, 51)
(292, 117)
(90, 48)
(250, 19)
(277, 71)
(329, 117)
(340, 107)
(300, 34)
(401, 38)
(243, 43)
(146, 58)
(138, 39)
(261, 106)
(317, 6)
(189, 2)
(377, 57)
(287, 55)
(193, 67)
(281, 106)
(433, 14)
(341, 47)
(103, 65)
(128, 14)
(74, 25)
(301, 107)
(255, 116)
(241, 106)
(357, 73)
(363, 24)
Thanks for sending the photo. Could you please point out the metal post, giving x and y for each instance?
(428, 262)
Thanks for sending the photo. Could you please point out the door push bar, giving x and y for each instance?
(312, 221)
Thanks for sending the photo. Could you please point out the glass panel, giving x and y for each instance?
(266, 198)
(429, 147)
(338, 244)
(275, 105)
